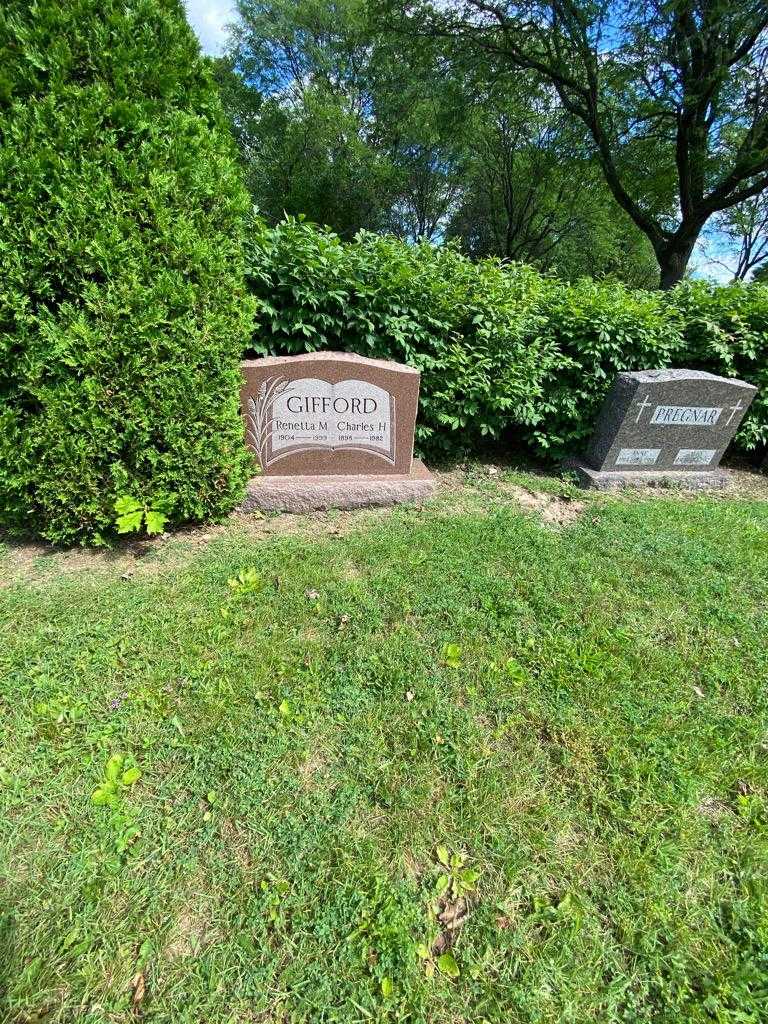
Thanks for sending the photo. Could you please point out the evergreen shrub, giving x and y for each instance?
(123, 307)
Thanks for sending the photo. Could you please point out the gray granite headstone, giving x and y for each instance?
(660, 426)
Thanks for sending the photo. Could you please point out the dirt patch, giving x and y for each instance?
(452, 479)
(555, 510)
(237, 843)
(352, 572)
(744, 481)
(190, 934)
(32, 562)
(334, 523)
(712, 807)
(310, 770)
(411, 866)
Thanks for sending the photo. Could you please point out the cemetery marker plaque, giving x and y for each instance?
(664, 427)
(331, 430)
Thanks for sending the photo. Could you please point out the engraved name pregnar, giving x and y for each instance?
(686, 415)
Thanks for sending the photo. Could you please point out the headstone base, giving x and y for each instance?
(613, 480)
(317, 493)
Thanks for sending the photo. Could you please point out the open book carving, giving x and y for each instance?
(312, 414)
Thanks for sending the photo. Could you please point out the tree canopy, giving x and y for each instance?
(343, 119)
(672, 93)
(584, 138)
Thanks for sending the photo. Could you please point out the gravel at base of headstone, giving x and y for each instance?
(601, 480)
(664, 428)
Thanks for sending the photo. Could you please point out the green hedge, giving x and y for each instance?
(725, 331)
(123, 311)
(473, 329)
(501, 347)
(598, 329)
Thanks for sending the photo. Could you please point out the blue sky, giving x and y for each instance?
(209, 19)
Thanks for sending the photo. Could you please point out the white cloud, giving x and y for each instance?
(209, 19)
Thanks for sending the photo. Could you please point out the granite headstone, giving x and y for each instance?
(331, 430)
(664, 427)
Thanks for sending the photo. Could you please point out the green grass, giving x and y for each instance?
(597, 750)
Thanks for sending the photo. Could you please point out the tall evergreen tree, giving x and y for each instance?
(123, 310)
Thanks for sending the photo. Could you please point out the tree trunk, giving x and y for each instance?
(673, 261)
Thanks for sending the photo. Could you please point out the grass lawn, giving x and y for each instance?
(573, 717)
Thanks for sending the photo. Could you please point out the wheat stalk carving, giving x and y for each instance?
(259, 414)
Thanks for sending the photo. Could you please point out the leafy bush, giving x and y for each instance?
(123, 312)
(499, 345)
(473, 329)
(725, 331)
(598, 329)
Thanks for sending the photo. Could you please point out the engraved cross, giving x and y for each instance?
(734, 409)
(645, 404)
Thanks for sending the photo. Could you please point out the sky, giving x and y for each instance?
(209, 19)
(714, 258)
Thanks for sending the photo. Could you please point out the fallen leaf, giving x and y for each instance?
(139, 986)
(454, 914)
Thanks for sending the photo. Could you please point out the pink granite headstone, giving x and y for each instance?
(331, 430)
